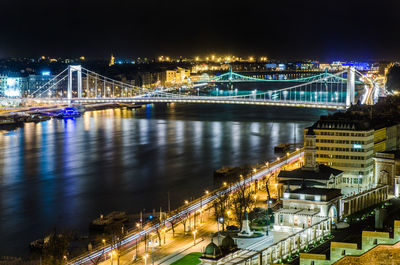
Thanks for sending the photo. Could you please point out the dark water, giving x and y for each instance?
(65, 173)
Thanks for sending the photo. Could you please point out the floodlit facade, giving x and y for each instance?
(177, 76)
(350, 149)
(348, 141)
(387, 170)
(376, 248)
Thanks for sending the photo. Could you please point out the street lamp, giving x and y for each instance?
(151, 243)
(104, 243)
(221, 220)
(165, 231)
(111, 256)
(194, 237)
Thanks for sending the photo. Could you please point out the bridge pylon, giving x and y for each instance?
(71, 70)
(350, 86)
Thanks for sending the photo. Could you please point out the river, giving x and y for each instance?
(64, 173)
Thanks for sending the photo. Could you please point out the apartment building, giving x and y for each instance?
(348, 142)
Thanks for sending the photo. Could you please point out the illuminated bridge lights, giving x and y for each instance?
(313, 92)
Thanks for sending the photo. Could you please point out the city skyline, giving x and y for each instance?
(199, 132)
(287, 30)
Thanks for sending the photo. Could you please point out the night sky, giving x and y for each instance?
(281, 29)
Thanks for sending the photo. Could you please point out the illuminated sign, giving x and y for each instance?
(45, 73)
(357, 146)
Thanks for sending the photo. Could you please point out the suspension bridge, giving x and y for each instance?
(79, 85)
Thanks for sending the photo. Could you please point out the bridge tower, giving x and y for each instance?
(230, 79)
(350, 86)
(71, 70)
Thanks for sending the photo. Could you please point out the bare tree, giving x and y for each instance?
(55, 248)
(97, 260)
(173, 222)
(116, 232)
(242, 200)
(158, 229)
(220, 206)
(183, 218)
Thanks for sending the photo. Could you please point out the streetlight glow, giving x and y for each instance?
(194, 237)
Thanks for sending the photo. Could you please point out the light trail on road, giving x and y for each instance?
(193, 207)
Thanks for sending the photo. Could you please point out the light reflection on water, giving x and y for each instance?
(65, 173)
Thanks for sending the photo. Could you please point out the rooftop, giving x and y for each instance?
(323, 173)
(317, 191)
(362, 117)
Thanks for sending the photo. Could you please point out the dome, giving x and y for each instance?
(228, 243)
(212, 250)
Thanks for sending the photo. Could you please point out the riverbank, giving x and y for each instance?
(13, 119)
(65, 173)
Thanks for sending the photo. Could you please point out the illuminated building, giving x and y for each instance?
(305, 206)
(177, 76)
(112, 60)
(348, 141)
(12, 85)
(376, 248)
(315, 192)
(387, 170)
(311, 174)
(34, 82)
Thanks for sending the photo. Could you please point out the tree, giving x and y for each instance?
(242, 200)
(173, 222)
(158, 230)
(97, 260)
(220, 206)
(183, 218)
(115, 233)
(55, 248)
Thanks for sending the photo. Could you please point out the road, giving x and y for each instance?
(199, 204)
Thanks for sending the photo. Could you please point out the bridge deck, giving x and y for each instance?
(203, 100)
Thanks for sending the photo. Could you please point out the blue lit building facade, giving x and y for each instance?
(15, 85)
